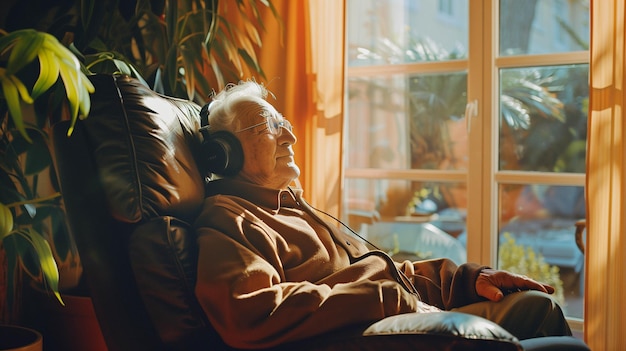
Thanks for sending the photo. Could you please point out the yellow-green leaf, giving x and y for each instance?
(71, 91)
(47, 263)
(59, 50)
(21, 89)
(6, 221)
(86, 87)
(48, 75)
(11, 95)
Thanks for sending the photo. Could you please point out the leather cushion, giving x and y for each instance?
(144, 149)
(455, 330)
(163, 256)
(443, 331)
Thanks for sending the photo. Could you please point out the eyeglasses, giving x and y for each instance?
(273, 125)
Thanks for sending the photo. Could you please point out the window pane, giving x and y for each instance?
(401, 31)
(407, 122)
(543, 118)
(410, 220)
(543, 26)
(536, 227)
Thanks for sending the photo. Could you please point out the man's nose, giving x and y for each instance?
(287, 135)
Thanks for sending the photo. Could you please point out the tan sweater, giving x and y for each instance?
(271, 271)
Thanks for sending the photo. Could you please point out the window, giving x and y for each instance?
(445, 7)
(453, 152)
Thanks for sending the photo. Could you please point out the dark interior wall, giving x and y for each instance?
(5, 5)
(17, 14)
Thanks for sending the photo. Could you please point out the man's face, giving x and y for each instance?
(268, 153)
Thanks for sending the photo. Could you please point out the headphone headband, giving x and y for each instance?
(222, 150)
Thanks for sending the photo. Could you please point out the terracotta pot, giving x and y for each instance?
(73, 327)
(16, 338)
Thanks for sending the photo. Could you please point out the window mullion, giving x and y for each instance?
(479, 241)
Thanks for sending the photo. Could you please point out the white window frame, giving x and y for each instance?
(483, 177)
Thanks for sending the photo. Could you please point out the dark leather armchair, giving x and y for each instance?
(131, 185)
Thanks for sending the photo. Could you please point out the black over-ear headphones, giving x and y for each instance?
(221, 150)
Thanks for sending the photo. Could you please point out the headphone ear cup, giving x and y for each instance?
(224, 153)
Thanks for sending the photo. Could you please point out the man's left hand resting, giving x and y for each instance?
(494, 284)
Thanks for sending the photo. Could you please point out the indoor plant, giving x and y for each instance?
(180, 48)
(25, 215)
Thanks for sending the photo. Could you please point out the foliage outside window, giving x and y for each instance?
(521, 259)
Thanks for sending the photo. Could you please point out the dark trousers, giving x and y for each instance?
(526, 314)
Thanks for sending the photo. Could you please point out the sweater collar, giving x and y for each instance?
(265, 197)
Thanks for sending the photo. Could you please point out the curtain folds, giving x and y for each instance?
(304, 68)
(605, 275)
(323, 167)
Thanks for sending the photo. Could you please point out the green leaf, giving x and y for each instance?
(24, 51)
(123, 67)
(251, 62)
(210, 35)
(190, 72)
(171, 18)
(172, 68)
(8, 40)
(38, 155)
(86, 12)
(217, 71)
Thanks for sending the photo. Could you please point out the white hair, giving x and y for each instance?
(234, 101)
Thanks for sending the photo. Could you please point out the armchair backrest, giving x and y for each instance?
(131, 186)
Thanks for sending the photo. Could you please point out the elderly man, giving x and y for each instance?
(272, 271)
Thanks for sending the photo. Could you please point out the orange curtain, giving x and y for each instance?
(284, 58)
(303, 64)
(605, 303)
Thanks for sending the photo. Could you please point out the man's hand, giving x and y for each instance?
(494, 284)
